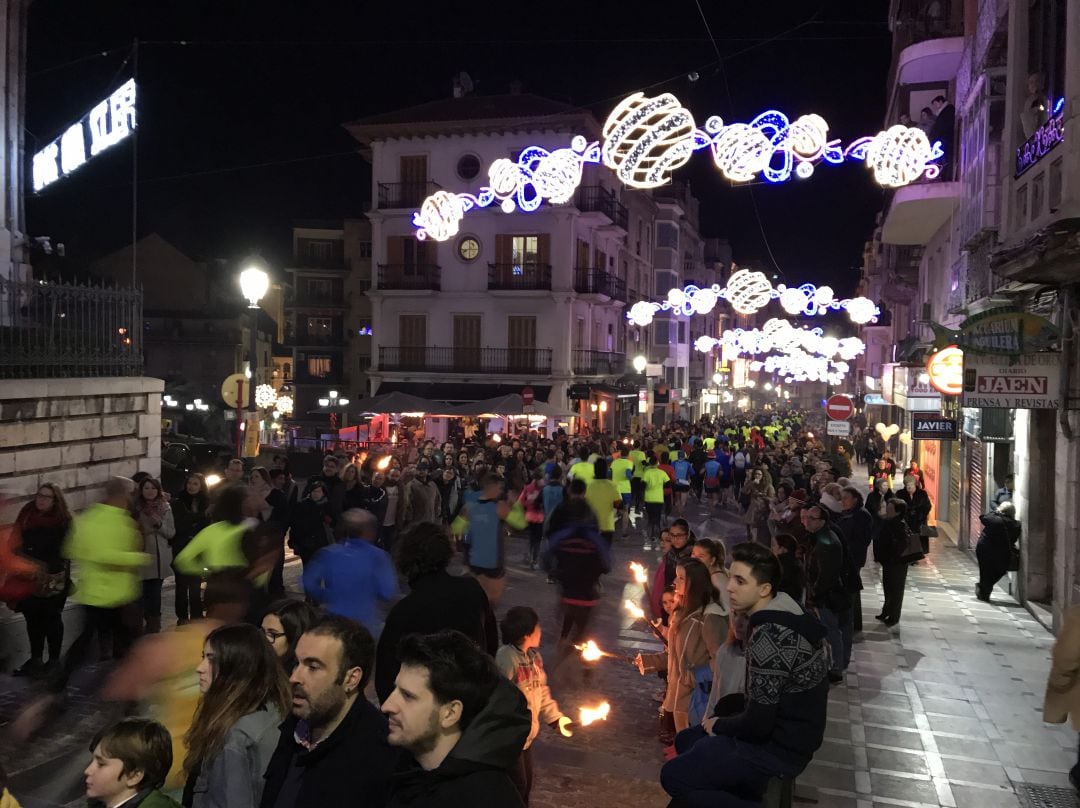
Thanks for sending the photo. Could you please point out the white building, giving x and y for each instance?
(514, 300)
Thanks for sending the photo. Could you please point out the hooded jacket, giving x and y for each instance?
(477, 770)
(526, 670)
(349, 766)
(787, 689)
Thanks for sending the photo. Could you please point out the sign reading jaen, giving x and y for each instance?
(1029, 382)
(109, 122)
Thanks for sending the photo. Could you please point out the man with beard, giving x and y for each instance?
(462, 723)
(333, 749)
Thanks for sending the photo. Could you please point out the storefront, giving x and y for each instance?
(911, 395)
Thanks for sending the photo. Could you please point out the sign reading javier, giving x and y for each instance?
(1001, 331)
(1028, 382)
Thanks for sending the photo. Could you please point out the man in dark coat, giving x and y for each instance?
(461, 722)
(333, 749)
(856, 528)
(1000, 532)
(943, 131)
(437, 601)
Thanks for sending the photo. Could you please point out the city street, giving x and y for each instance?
(943, 710)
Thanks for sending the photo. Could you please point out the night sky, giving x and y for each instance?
(240, 128)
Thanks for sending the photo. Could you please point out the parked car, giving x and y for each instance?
(178, 460)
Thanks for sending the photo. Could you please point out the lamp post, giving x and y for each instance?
(333, 402)
(718, 380)
(254, 283)
(640, 364)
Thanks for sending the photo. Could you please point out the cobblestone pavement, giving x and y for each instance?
(942, 710)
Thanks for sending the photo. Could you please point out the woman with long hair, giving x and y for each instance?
(245, 697)
(191, 513)
(42, 525)
(285, 620)
(712, 554)
(155, 520)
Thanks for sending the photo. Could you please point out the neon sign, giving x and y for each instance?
(109, 122)
(1045, 138)
(645, 139)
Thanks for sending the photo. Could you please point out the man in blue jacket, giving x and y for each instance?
(348, 577)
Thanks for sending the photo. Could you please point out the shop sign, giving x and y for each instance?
(871, 399)
(1042, 140)
(912, 392)
(887, 374)
(946, 370)
(933, 427)
(930, 463)
(1001, 332)
(1029, 382)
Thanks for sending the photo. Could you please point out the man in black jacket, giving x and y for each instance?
(437, 601)
(333, 750)
(462, 723)
(826, 596)
(729, 760)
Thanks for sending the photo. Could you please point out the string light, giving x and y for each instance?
(780, 335)
(265, 395)
(748, 291)
(645, 139)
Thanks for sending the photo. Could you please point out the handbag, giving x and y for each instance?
(912, 547)
(53, 583)
(928, 531)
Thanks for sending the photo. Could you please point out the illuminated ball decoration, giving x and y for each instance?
(642, 312)
(862, 310)
(439, 217)
(645, 139)
(265, 396)
(284, 405)
(793, 301)
(748, 291)
(504, 177)
(899, 156)
(740, 151)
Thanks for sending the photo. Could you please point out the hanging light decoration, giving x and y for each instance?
(265, 396)
(284, 405)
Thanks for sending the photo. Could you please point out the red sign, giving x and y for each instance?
(839, 408)
(527, 396)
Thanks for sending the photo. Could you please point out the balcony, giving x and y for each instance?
(433, 359)
(598, 363)
(917, 211)
(597, 199)
(411, 277)
(519, 277)
(305, 340)
(404, 194)
(926, 49)
(320, 300)
(589, 281)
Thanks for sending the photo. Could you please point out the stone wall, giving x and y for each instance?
(76, 433)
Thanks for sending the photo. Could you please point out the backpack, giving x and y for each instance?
(739, 460)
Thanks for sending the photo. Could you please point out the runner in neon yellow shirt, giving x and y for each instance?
(603, 497)
(622, 471)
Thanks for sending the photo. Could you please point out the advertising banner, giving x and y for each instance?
(1028, 382)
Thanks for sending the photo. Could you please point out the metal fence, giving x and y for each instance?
(59, 330)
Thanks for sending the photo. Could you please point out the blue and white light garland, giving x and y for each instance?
(781, 335)
(645, 139)
(748, 292)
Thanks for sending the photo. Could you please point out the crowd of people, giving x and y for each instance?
(753, 632)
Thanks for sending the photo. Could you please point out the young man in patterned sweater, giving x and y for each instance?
(728, 760)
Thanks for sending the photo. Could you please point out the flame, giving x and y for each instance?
(393, 439)
(635, 611)
(587, 715)
(809, 434)
(640, 573)
(626, 441)
(591, 652)
(383, 463)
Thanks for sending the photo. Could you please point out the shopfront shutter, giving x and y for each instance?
(976, 488)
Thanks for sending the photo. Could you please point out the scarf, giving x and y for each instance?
(30, 518)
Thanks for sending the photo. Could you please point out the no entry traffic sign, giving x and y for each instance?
(839, 408)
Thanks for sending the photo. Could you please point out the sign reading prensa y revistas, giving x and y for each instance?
(1028, 382)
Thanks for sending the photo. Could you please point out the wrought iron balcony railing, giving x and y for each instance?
(435, 359)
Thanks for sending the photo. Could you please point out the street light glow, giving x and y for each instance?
(718, 378)
(640, 362)
(254, 283)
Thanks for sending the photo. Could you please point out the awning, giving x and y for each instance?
(584, 389)
(457, 393)
(512, 404)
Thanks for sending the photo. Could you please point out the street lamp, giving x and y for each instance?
(640, 363)
(718, 380)
(254, 284)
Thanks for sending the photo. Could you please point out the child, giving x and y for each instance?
(130, 762)
(519, 659)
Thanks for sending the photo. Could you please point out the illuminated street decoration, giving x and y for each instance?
(780, 335)
(748, 292)
(523, 184)
(645, 139)
(799, 366)
(109, 122)
(265, 395)
(945, 369)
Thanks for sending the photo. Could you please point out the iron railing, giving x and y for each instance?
(519, 276)
(435, 359)
(598, 282)
(410, 276)
(596, 198)
(305, 299)
(405, 194)
(598, 363)
(61, 330)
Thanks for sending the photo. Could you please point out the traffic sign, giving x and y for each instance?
(839, 408)
(527, 396)
(234, 390)
(839, 429)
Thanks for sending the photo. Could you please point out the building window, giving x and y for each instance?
(365, 249)
(468, 248)
(667, 235)
(682, 335)
(316, 288)
(318, 367)
(320, 328)
(524, 252)
(468, 167)
(1037, 196)
(1054, 198)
